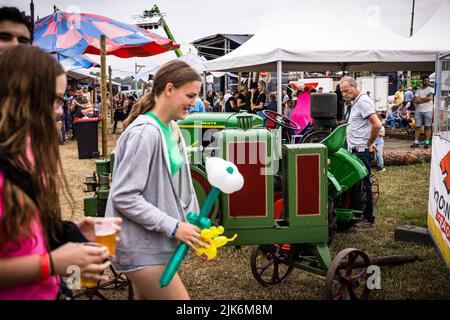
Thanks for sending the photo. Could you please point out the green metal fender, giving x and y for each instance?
(347, 169)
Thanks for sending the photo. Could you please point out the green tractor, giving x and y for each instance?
(291, 199)
(345, 171)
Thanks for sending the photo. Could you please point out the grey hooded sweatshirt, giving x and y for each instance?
(145, 195)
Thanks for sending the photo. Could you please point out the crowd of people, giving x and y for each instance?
(78, 103)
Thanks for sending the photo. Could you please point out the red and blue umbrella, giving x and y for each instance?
(73, 34)
(73, 63)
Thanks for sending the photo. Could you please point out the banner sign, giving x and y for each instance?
(438, 219)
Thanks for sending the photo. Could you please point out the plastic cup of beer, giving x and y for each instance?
(89, 283)
(105, 234)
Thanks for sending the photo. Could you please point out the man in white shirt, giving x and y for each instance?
(423, 115)
(363, 129)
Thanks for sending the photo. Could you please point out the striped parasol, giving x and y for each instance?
(73, 63)
(73, 34)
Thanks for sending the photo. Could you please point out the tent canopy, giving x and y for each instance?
(196, 62)
(313, 37)
(434, 35)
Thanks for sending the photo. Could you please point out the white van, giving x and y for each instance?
(377, 88)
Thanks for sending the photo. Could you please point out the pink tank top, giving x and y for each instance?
(44, 290)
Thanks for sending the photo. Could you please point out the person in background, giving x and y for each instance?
(272, 106)
(364, 127)
(399, 96)
(219, 105)
(409, 97)
(15, 28)
(302, 110)
(261, 100)
(119, 110)
(88, 109)
(210, 97)
(252, 97)
(339, 104)
(287, 112)
(131, 101)
(393, 117)
(240, 100)
(423, 101)
(227, 96)
(231, 104)
(379, 144)
(198, 107)
(207, 106)
(404, 115)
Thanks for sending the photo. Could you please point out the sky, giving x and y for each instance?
(190, 20)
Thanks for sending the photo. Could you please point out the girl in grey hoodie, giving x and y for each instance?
(152, 189)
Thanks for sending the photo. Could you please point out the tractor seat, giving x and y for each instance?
(335, 140)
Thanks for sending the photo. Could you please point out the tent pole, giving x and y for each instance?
(103, 87)
(437, 92)
(93, 91)
(279, 107)
(257, 77)
(142, 87)
(32, 11)
(204, 85)
(110, 94)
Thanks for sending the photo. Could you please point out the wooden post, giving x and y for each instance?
(142, 88)
(92, 96)
(103, 87)
(239, 79)
(110, 94)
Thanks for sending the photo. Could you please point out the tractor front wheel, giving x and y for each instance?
(347, 276)
(268, 264)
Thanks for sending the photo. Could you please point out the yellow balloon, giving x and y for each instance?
(212, 233)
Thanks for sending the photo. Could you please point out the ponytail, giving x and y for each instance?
(176, 72)
(143, 105)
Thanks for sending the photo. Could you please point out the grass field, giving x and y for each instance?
(403, 200)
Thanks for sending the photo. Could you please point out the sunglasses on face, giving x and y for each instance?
(7, 37)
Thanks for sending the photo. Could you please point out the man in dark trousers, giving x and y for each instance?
(364, 127)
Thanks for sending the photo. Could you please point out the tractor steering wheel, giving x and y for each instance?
(280, 120)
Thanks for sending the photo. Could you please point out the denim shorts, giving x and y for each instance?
(129, 268)
(423, 118)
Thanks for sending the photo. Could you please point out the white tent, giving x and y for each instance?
(313, 35)
(195, 61)
(435, 34)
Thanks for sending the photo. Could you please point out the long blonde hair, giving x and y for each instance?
(176, 72)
